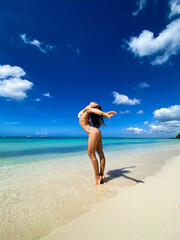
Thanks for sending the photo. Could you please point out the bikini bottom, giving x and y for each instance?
(91, 129)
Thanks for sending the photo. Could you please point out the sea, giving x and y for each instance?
(48, 182)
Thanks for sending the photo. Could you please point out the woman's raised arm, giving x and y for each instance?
(101, 113)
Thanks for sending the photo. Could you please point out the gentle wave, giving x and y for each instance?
(57, 150)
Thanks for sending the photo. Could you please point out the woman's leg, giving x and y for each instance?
(92, 145)
(101, 156)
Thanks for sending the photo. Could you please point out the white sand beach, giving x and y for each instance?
(148, 211)
(58, 198)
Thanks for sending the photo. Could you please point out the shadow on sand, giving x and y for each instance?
(116, 173)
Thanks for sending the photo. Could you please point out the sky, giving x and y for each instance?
(58, 56)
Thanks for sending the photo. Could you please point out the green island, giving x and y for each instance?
(178, 136)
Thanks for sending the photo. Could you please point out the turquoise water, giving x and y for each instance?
(23, 150)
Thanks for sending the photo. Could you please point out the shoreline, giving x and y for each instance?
(9, 136)
(145, 211)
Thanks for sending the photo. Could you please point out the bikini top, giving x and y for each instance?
(79, 115)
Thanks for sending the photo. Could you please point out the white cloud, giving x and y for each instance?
(140, 112)
(164, 127)
(74, 49)
(124, 112)
(11, 123)
(167, 114)
(142, 85)
(40, 45)
(41, 133)
(174, 7)
(78, 51)
(140, 5)
(11, 83)
(9, 71)
(15, 88)
(135, 130)
(47, 95)
(168, 120)
(37, 99)
(123, 99)
(159, 48)
(146, 123)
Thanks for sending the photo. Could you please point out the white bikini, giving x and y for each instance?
(79, 115)
(87, 128)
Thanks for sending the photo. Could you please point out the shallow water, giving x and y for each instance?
(48, 182)
(23, 150)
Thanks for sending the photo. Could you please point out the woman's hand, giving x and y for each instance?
(110, 114)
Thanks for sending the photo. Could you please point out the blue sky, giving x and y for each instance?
(57, 56)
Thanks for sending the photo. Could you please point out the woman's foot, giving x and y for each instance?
(99, 180)
(103, 178)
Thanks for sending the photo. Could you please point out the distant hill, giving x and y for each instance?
(178, 136)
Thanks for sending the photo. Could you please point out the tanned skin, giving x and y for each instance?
(95, 139)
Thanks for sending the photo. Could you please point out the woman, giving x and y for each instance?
(90, 119)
